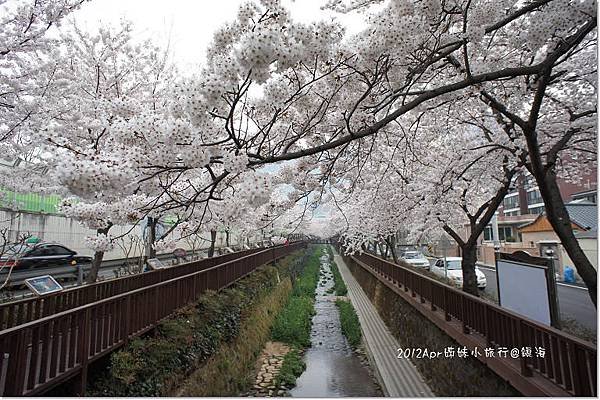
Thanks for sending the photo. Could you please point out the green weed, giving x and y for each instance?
(350, 323)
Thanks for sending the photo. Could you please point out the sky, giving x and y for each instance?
(187, 25)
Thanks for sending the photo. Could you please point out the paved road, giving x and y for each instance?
(574, 302)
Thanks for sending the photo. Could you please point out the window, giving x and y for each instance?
(511, 202)
(505, 234)
(536, 210)
(534, 197)
(59, 251)
(487, 234)
(454, 265)
(39, 252)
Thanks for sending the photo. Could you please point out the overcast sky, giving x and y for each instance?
(190, 24)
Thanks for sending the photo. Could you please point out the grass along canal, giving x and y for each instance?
(333, 367)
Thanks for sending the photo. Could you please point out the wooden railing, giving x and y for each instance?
(42, 353)
(569, 363)
(26, 310)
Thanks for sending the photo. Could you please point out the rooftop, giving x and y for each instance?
(583, 214)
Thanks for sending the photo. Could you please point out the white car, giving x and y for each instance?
(455, 271)
(416, 259)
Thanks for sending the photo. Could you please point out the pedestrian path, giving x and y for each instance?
(400, 378)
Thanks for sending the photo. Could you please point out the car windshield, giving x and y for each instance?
(412, 255)
(453, 264)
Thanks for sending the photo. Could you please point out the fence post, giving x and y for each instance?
(525, 370)
(3, 371)
(127, 320)
(84, 352)
(488, 325)
(431, 288)
(446, 302)
(463, 312)
(155, 301)
(18, 365)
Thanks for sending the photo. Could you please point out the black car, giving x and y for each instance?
(42, 255)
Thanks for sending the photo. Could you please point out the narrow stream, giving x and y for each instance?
(332, 368)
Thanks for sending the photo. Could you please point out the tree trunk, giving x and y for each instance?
(213, 239)
(469, 259)
(392, 246)
(227, 238)
(97, 260)
(558, 216)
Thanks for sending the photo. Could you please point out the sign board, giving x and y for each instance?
(155, 263)
(41, 285)
(526, 286)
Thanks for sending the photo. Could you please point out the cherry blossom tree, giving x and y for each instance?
(26, 61)
(455, 75)
(325, 96)
(105, 84)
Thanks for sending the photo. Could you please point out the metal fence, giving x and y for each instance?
(29, 309)
(569, 363)
(47, 351)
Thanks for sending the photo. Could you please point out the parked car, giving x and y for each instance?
(455, 271)
(416, 259)
(42, 255)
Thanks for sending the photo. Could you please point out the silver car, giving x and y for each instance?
(416, 259)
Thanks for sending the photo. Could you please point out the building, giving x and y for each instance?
(588, 241)
(510, 238)
(584, 217)
(525, 197)
(534, 234)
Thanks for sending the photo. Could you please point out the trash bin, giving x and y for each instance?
(569, 274)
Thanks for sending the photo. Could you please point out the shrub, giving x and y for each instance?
(292, 367)
(156, 364)
(350, 323)
(306, 283)
(292, 325)
(339, 285)
(231, 370)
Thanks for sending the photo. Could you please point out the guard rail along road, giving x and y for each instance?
(49, 340)
(569, 365)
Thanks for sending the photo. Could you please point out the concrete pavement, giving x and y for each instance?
(399, 377)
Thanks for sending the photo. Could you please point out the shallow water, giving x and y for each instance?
(332, 369)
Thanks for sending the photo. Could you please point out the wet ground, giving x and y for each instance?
(332, 368)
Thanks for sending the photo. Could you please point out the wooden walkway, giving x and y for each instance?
(399, 377)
